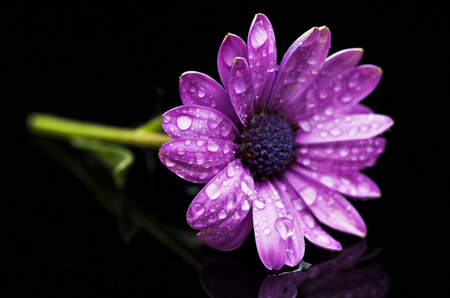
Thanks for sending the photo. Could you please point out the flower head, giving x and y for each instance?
(278, 145)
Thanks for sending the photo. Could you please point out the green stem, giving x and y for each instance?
(67, 128)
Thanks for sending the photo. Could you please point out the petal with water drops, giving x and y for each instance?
(198, 121)
(299, 67)
(341, 128)
(345, 90)
(197, 160)
(262, 57)
(308, 224)
(223, 202)
(232, 46)
(231, 239)
(340, 157)
(334, 65)
(354, 184)
(197, 88)
(278, 235)
(241, 90)
(328, 206)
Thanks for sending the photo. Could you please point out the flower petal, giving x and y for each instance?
(198, 121)
(223, 202)
(327, 206)
(278, 235)
(354, 184)
(241, 90)
(345, 90)
(262, 56)
(342, 128)
(231, 239)
(299, 67)
(197, 160)
(197, 88)
(310, 228)
(341, 157)
(232, 46)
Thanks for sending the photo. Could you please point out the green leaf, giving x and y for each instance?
(154, 125)
(116, 158)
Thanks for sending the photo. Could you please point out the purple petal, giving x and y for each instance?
(357, 109)
(310, 228)
(241, 90)
(262, 55)
(327, 206)
(334, 65)
(299, 67)
(223, 202)
(342, 128)
(197, 160)
(353, 184)
(342, 157)
(278, 235)
(231, 239)
(232, 46)
(197, 88)
(346, 90)
(198, 121)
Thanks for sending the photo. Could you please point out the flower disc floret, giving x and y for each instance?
(267, 145)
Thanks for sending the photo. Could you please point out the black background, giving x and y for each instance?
(119, 64)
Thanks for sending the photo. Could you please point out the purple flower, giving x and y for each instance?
(278, 145)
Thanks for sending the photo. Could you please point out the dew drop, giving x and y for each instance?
(166, 118)
(169, 163)
(346, 98)
(200, 158)
(214, 120)
(187, 142)
(266, 231)
(181, 151)
(279, 204)
(309, 194)
(201, 92)
(259, 203)
(192, 89)
(285, 227)
(198, 209)
(245, 205)
(258, 35)
(200, 142)
(312, 60)
(212, 146)
(231, 200)
(184, 122)
(203, 175)
(222, 214)
(230, 171)
(213, 191)
(335, 132)
(329, 111)
(263, 218)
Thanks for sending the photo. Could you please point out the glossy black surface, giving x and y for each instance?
(69, 233)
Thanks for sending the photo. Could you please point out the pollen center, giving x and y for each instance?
(267, 145)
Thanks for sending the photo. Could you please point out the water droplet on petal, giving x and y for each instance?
(212, 146)
(279, 204)
(203, 175)
(259, 203)
(213, 191)
(200, 142)
(266, 231)
(166, 118)
(230, 171)
(169, 163)
(346, 98)
(335, 131)
(200, 158)
(181, 151)
(198, 209)
(245, 205)
(263, 218)
(184, 122)
(187, 142)
(231, 200)
(285, 227)
(201, 92)
(258, 35)
(309, 194)
(222, 214)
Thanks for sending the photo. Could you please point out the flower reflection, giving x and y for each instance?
(338, 277)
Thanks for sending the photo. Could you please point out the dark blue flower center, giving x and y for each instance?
(267, 145)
